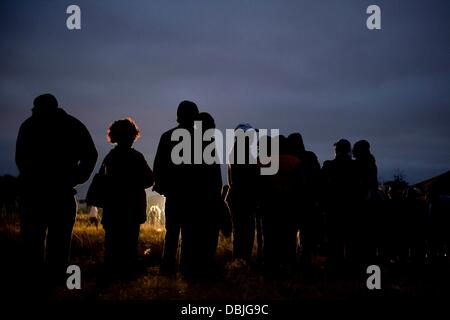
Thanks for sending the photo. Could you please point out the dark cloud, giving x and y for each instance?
(295, 65)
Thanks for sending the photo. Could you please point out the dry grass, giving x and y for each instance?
(235, 282)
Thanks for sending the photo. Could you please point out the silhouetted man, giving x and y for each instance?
(173, 181)
(200, 230)
(309, 219)
(369, 205)
(54, 153)
(279, 212)
(243, 198)
(366, 167)
(340, 185)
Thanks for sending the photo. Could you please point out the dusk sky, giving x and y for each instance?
(307, 66)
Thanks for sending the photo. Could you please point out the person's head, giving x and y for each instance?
(295, 141)
(123, 132)
(250, 133)
(187, 113)
(342, 147)
(207, 121)
(361, 149)
(244, 127)
(45, 103)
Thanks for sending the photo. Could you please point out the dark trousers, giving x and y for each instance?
(198, 249)
(121, 242)
(173, 213)
(280, 238)
(309, 224)
(171, 239)
(341, 236)
(243, 231)
(46, 231)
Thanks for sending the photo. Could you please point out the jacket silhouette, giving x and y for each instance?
(54, 153)
(53, 149)
(173, 181)
(127, 175)
(366, 168)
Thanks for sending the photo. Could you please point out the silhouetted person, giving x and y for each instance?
(369, 205)
(200, 230)
(54, 153)
(126, 175)
(173, 181)
(366, 167)
(280, 212)
(242, 197)
(309, 217)
(340, 185)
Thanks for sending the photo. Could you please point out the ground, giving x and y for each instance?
(235, 281)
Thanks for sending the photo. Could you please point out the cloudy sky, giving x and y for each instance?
(307, 66)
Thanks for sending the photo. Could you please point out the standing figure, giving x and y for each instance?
(54, 153)
(309, 217)
(369, 204)
(280, 212)
(126, 175)
(243, 195)
(200, 230)
(173, 181)
(340, 185)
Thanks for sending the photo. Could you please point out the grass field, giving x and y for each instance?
(235, 281)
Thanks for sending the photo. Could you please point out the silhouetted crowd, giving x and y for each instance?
(279, 221)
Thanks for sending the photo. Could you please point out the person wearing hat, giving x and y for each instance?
(174, 182)
(339, 194)
(54, 153)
